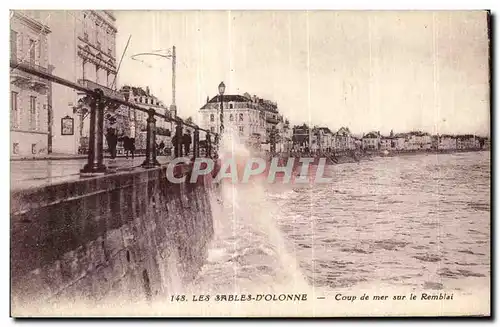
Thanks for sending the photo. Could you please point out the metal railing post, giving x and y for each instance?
(196, 143)
(217, 145)
(150, 160)
(95, 163)
(208, 145)
(178, 135)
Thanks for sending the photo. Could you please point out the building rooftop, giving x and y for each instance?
(264, 104)
(372, 135)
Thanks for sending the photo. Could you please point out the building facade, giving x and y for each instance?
(371, 141)
(447, 142)
(29, 95)
(138, 119)
(286, 139)
(326, 140)
(343, 140)
(418, 141)
(82, 50)
(301, 138)
(386, 143)
(251, 118)
(468, 142)
(399, 142)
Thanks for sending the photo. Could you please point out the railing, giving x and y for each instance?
(103, 97)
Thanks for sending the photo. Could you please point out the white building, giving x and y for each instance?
(371, 141)
(138, 119)
(418, 141)
(344, 140)
(82, 50)
(399, 142)
(386, 143)
(250, 117)
(447, 142)
(29, 95)
(326, 139)
(468, 142)
(286, 137)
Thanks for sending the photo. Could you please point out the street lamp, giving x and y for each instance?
(131, 112)
(222, 88)
(170, 55)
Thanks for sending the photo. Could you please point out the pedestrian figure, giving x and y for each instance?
(112, 140)
(186, 140)
(161, 147)
(129, 146)
(175, 142)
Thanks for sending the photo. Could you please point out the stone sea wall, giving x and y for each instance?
(126, 237)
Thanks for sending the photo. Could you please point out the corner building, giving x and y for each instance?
(29, 95)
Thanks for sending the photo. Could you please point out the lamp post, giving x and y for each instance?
(171, 54)
(126, 95)
(222, 88)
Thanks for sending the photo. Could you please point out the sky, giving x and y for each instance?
(368, 70)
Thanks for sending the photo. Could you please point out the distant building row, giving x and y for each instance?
(413, 141)
(322, 138)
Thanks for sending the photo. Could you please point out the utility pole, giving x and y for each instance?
(173, 107)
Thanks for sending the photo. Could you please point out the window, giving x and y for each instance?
(14, 114)
(241, 129)
(231, 118)
(212, 118)
(33, 117)
(83, 68)
(40, 52)
(15, 148)
(32, 51)
(96, 31)
(212, 129)
(230, 106)
(241, 117)
(13, 45)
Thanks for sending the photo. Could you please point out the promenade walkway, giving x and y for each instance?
(33, 173)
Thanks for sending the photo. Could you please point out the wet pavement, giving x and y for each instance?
(35, 173)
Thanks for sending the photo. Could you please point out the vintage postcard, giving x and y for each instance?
(250, 163)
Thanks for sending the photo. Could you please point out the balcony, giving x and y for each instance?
(24, 79)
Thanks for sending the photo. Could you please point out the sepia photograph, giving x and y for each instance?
(250, 163)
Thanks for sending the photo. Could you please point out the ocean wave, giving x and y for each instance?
(359, 232)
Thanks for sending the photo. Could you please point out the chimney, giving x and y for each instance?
(207, 99)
